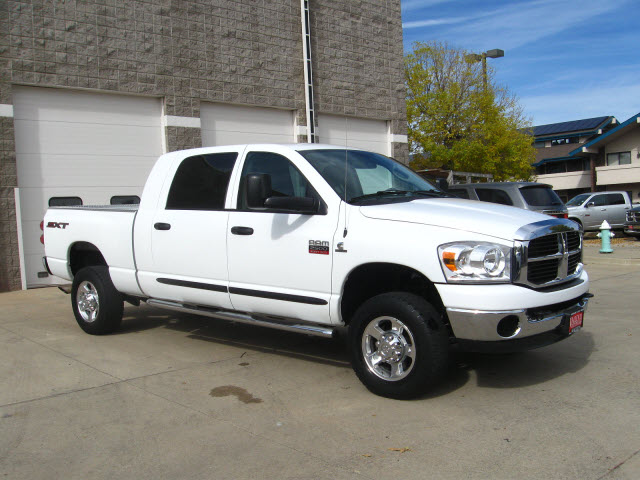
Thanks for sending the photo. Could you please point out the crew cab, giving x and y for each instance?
(589, 210)
(310, 237)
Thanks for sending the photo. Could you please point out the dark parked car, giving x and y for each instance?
(632, 225)
(538, 197)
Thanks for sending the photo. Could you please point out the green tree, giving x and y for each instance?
(457, 123)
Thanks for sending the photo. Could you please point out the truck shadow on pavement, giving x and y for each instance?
(250, 338)
(514, 370)
(527, 368)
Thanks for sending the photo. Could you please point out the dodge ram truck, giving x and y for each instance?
(311, 237)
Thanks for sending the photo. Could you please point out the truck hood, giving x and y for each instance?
(467, 215)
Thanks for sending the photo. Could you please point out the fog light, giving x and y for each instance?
(509, 326)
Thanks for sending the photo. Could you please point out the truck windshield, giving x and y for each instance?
(540, 196)
(578, 200)
(357, 175)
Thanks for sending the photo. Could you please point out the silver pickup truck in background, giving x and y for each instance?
(591, 209)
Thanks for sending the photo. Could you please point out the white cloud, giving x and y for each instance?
(620, 99)
(434, 22)
(517, 24)
(408, 5)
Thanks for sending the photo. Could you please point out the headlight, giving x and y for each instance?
(475, 262)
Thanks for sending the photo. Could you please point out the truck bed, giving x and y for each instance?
(108, 228)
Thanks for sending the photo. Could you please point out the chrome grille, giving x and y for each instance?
(552, 255)
(633, 216)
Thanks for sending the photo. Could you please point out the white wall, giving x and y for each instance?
(566, 181)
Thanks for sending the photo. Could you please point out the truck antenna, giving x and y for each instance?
(346, 161)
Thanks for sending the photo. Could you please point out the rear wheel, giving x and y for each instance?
(97, 305)
(399, 346)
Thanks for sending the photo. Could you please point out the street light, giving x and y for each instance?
(482, 57)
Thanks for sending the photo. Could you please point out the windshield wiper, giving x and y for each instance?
(384, 193)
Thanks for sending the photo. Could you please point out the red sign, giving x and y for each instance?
(575, 321)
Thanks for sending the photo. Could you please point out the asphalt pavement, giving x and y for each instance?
(177, 396)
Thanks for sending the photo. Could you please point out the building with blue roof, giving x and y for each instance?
(592, 154)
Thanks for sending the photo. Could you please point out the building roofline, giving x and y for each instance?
(572, 124)
(631, 121)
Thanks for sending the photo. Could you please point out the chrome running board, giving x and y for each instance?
(326, 332)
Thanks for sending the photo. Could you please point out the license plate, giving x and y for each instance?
(575, 322)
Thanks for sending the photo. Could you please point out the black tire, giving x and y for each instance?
(98, 306)
(415, 353)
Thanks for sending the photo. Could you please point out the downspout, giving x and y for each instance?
(308, 71)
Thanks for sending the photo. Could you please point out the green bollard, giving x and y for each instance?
(606, 235)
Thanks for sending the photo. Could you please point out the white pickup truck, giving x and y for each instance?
(309, 237)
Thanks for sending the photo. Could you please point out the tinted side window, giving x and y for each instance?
(65, 201)
(201, 182)
(540, 196)
(459, 192)
(286, 179)
(125, 200)
(615, 199)
(598, 200)
(493, 195)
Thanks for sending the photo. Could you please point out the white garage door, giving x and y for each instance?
(354, 132)
(224, 124)
(78, 144)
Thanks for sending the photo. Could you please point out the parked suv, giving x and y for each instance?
(538, 197)
(591, 209)
(632, 225)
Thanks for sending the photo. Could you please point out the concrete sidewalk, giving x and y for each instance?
(178, 396)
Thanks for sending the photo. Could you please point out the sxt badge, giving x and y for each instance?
(61, 225)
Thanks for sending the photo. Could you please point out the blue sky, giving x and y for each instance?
(564, 59)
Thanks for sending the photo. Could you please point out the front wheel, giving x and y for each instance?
(399, 345)
(97, 305)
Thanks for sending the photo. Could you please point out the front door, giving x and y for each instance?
(595, 210)
(280, 263)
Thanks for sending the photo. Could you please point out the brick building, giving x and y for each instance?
(92, 91)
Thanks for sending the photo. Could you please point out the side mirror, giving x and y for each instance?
(442, 184)
(590, 204)
(302, 205)
(258, 189)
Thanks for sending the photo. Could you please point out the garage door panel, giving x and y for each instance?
(75, 138)
(358, 128)
(224, 124)
(214, 138)
(46, 104)
(48, 170)
(239, 118)
(35, 201)
(79, 144)
(354, 132)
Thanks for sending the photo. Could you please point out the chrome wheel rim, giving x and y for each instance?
(88, 302)
(388, 348)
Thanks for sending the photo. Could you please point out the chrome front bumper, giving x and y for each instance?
(483, 326)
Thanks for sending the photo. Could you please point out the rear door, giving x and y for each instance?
(187, 260)
(616, 209)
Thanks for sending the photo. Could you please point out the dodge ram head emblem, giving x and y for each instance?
(319, 247)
